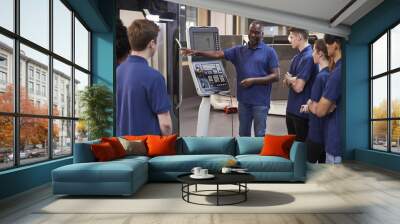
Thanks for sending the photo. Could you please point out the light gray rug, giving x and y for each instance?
(166, 198)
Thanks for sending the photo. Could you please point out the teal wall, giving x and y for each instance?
(357, 85)
(90, 12)
(99, 16)
(380, 159)
(24, 178)
(103, 59)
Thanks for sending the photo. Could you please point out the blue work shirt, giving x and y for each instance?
(315, 124)
(302, 67)
(141, 95)
(253, 63)
(332, 92)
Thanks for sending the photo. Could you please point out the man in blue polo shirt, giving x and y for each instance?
(143, 104)
(331, 97)
(300, 80)
(257, 67)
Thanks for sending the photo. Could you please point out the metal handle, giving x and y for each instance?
(180, 76)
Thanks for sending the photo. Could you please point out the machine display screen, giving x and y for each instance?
(203, 41)
(208, 66)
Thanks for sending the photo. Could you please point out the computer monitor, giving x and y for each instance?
(203, 41)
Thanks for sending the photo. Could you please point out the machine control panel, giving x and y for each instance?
(208, 74)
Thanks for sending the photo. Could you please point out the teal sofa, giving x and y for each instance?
(125, 176)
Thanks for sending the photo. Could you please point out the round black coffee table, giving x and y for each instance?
(238, 179)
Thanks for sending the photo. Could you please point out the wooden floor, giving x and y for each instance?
(377, 188)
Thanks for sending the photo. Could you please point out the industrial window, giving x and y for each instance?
(385, 95)
(36, 49)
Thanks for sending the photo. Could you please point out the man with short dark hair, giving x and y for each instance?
(257, 67)
(299, 79)
(143, 104)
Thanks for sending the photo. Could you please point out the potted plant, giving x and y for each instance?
(96, 102)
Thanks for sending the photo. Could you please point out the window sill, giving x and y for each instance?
(26, 167)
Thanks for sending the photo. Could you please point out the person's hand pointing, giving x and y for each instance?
(187, 52)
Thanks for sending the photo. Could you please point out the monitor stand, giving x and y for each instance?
(203, 117)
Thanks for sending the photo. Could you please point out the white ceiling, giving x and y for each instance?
(314, 15)
(324, 9)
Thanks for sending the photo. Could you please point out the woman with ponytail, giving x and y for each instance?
(315, 137)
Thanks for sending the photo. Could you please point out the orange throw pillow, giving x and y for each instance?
(161, 145)
(103, 152)
(135, 138)
(116, 145)
(277, 145)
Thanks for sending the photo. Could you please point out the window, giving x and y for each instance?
(62, 74)
(7, 142)
(6, 73)
(44, 91)
(37, 74)
(3, 78)
(81, 45)
(81, 81)
(3, 61)
(62, 29)
(33, 148)
(35, 21)
(7, 14)
(30, 88)
(30, 72)
(38, 89)
(395, 47)
(46, 73)
(55, 101)
(385, 96)
(3, 72)
(62, 140)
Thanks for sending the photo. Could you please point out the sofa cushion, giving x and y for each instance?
(207, 145)
(185, 163)
(103, 152)
(112, 171)
(161, 145)
(257, 163)
(135, 147)
(83, 152)
(116, 145)
(249, 145)
(131, 158)
(275, 145)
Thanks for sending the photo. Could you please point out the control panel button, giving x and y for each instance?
(218, 68)
(216, 78)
